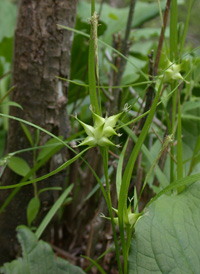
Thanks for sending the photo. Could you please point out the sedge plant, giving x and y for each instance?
(104, 130)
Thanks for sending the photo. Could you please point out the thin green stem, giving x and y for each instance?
(191, 2)
(104, 153)
(173, 122)
(92, 7)
(173, 30)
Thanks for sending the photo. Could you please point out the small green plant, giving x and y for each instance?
(163, 234)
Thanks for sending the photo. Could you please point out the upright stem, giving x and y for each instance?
(162, 36)
(104, 153)
(173, 40)
(92, 7)
(124, 51)
(174, 105)
(186, 27)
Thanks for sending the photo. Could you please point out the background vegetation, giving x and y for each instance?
(131, 208)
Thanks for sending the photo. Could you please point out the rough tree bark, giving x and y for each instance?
(41, 52)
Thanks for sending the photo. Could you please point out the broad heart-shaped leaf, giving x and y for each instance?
(38, 258)
(167, 237)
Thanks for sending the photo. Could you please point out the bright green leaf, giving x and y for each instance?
(7, 18)
(38, 257)
(10, 103)
(33, 209)
(49, 146)
(167, 237)
(27, 133)
(19, 166)
(52, 211)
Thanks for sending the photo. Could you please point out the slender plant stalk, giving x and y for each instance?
(124, 52)
(164, 24)
(173, 40)
(122, 206)
(179, 148)
(104, 153)
(191, 2)
(92, 61)
(173, 122)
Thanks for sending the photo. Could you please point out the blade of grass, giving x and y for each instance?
(52, 211)
(173, 41)
(69, 162)
(160, 175)
(119, 169)
(110, 249)
(179, 145)
(104, 153)
(108, 46)
(176, 184)
(195, 155)
(186, 26)
(91, 75)
(122, 206)
(108, 87)
(96, 264)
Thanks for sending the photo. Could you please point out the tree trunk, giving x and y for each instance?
(41, 52)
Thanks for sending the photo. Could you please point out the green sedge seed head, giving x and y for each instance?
(112, 120)
(104, 142)
(89, 141)
(172, 73)
(109, 131)
(133, 217)
(101, 131)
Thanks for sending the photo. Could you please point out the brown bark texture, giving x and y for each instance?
(41, 52)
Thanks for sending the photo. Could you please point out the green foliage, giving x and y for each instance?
(18, 165)
(38, 257)
(167, 236)
(7, 19)
(7, 23)
(33, 209)
(164, 236)
(52, 211)
(115, 18)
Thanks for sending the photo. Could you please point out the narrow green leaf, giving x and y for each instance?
(27, 133)
(32, 209)
(195, 156)
(108, 46)
(49, 188)
(179, 183)
(13, 104)
(49, 146)
(69, 162)
(96, 264)
(52, 211)
(82, 84)
(122, 206)
(18, 165)
(92, 74)
(191, 2)
(179, 147)
(190, 117)
(173, 30)
(158, 172)
(120, 168)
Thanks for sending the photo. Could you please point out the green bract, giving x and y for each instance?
(130, 222)
(172, 72)
(103, 129)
